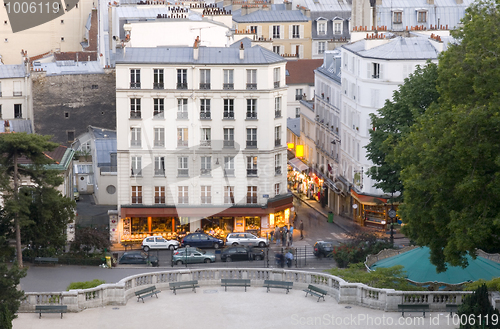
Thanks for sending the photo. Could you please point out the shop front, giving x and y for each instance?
(370, 210)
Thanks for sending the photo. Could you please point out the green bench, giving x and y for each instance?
(51, 309)
(46, 260)
(413, 308)
(150, 291)
(184, 285)
(278, 284)
(451, 308)
(235, 283)
(312, 290)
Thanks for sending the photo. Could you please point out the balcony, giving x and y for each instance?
(228, 86)
(160, 172)
(182, 85)
(205, 86)
(17, 93)
(135, 85)
(251, 199)
(251, 172)
(229, 172)
(137, 199)
(205, 143)
(298, 97)
(104, 169)
(135, 172)
(252, 115)
(158, 85)
(205, 116)
(228, 200)
(158, 115)
(159, 143)
(228, 115)
(135, 114)
(206, 199)
(182, 143)
(159, 199)
(277, 142)
(182, 115)
(251, 86)
(229, 144)
(276, 84)
(183, 200)
(252, 144)
(183, 172)
(135, 142)
(277, 114)
(206, 172)
(277, 170)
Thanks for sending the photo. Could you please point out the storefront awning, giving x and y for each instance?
(368, 200)
(298, 164)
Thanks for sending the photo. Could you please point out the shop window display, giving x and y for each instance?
(252, 225)
(182, 226)
(218, 227)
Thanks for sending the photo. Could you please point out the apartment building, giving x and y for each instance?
(15, 93)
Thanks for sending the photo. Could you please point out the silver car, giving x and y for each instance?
(245, 239)
(157, 242)
(192, 255)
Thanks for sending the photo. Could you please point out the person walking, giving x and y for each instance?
(301, 228)
(283, 241)
(277, 234)
(289, 258)
(291, 235)
(271, 234)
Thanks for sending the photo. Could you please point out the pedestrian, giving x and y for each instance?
(301, 228)
(289, 258)
(271, 234)
(283, 241)
(280, 259)
(291, 235)
(277, 233)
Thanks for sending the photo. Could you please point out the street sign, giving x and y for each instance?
(265, 196)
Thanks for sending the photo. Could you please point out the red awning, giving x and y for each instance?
(368, 200)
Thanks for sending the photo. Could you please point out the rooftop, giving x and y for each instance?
(69, 67)
(302, 71)
(12, 71)
(294, 125)
(272, 15)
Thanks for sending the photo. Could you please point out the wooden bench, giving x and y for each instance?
(235, 283)
(46, 260)
(150, 291)
(451, 308)
(51, 309)
(413, 308)
(278, 284)
(320, 293)
(184, 285)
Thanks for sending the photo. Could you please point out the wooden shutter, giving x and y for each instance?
(368, 70)
(282, 31)
(381, 71)
(301, 51)
(301, 31)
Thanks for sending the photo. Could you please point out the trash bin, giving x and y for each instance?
(108, 261)
(114, 259)
(330, 217)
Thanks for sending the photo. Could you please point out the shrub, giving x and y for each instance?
(85, 284)
(477, 307)
(492, 285)
(356, 250)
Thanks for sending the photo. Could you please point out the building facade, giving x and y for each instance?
(15, 93)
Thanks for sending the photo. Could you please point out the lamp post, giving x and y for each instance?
(392, 215)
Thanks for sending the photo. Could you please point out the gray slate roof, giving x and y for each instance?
(12, 71)
(207, 55)
(247, 43)
(270, 16)
(412, 48)
(17, 125)
(325, 5)
(294, 125)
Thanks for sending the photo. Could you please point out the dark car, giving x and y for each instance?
(323, 249)
(138, 257)
(201, 240)
(237, 253)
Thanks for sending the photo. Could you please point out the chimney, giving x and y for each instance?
(459, 2)
(430, 2)
(242, 51)
(288, 5)
(195, 48)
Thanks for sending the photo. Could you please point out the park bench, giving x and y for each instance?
(184, 285)
(413, 308)
(150, 291)
(235, 283)
(451, 308)
(46, 260)
(278, 284)
(320, 293)
(51, 309)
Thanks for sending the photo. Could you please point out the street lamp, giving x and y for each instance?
(392, 215)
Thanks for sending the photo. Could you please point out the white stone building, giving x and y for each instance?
(15, 93)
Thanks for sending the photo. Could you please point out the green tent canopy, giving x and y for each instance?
(418, 268)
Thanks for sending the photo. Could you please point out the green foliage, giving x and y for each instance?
(451, 157)
(85, 284)
(87, 239)
(388, 278)
(478, 305)
(356, 249)
(10, 296)
(492, 285)
(5, 317)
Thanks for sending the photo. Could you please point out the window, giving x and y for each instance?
(182, 166)
(182, 137)
(337, 27)
(229, 137)
(1, 111)
(135, 136)
(71, 135)
(182, 108)
(158, 108)
(229, 194)
(159, 194)
(253, 29)
(205, 109)
(277, 77)
(321, 47)
(94, 87)
(277, 164)
(321, 28)
(298, 94)
(421, 16)
(206, 194)
(0, 89)
(228, 166)
(277, 50)
(136, 166)
(136, 194)
(159, 166)
(18, 111)
(251, 109)
(159, 137)
(17, 89)
(251, 137)
(397, 17)
(252, 166)
(206, 166)
(295, 31)
(228, 80)
(182, 79)
(376, 70)
(252, 194)
(206, 139)
(135, 108)
(277, 107)
(277, 189)
(158, 79)
(276, 32)
(62, 39)
(252, 79)
(277, 136)
(297, 112)
(182, 197)
(228, 108)
(135, 79)
(204, 79)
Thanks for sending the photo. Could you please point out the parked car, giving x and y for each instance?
(76, 194)
(246, 239)
(237, 253)
(201, 240)
(157, 242)
(192, 255)
(323, 249)
(138, 257)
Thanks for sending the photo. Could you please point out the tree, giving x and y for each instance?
(451, 157)
(10, 296)
(478, 311)
(88, 238)
(13, 147)
(393, 121)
